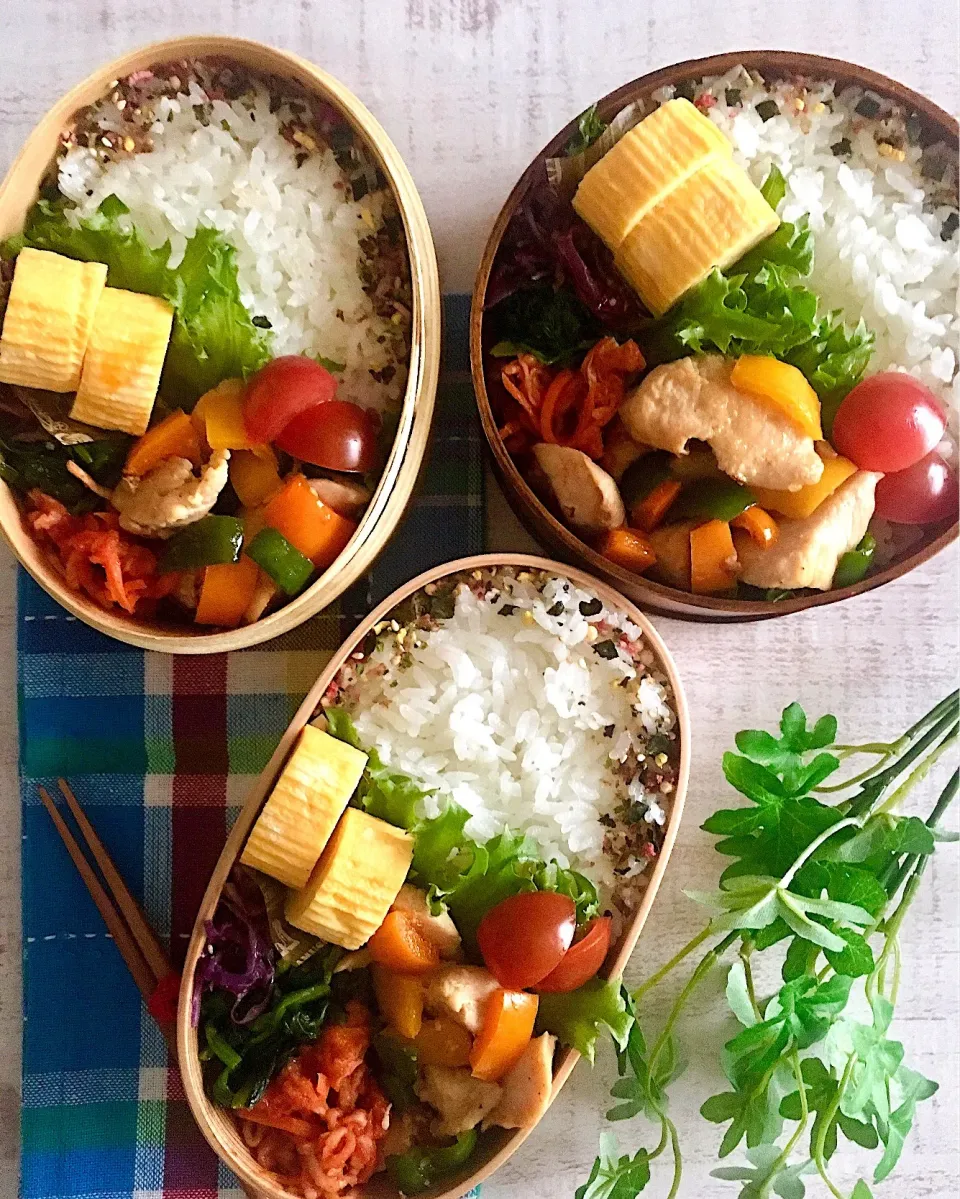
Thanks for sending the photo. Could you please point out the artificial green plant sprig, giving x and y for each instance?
(827, 872)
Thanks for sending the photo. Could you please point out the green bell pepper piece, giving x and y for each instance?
(418, 1169)
(209, 542)
(283, 562)
(712, 499)
(640, 477)
(854, 564)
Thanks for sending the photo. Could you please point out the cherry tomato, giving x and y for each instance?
(280, 391)
(888, 422)
(524, 937)
(582, 960)
(338, 435)
(920, 495)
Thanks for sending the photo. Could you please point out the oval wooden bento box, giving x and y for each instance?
(936, 124)
(19, 191)
(498, 1145)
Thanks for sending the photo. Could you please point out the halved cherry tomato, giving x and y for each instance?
(582, 960)
(337, 435)
(524, 937)
(888, 422)
(920, 495)
(282, 390)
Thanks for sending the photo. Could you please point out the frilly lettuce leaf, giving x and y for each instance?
(579, 1017)
(213, 338)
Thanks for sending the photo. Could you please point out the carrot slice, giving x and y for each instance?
(650, 512)
(291, 1124)
(761, 526)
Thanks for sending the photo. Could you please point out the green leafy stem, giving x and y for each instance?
(827, 873)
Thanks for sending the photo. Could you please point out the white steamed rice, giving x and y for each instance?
(876, 222)
(505, 715)
(295, 230)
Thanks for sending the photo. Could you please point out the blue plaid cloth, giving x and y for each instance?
(161, 752)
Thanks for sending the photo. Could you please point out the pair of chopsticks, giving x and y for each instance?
(127, 924)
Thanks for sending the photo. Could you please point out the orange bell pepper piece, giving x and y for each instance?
(226, 592)
(713, 558)
(312, 526)
(174, 437)
(761, 526)
(399, 945)
(443, 1042)
(219, 413)
(400, 1000)
(629, 549)
(254, 476)
(650, 511)
(506, 1030)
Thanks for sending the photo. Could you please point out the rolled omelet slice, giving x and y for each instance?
(650, 160)
(48, 319)
(710, 220)
(307, 800)
(356, 880)
(121, 370)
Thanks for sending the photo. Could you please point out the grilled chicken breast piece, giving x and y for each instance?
(588, 496)
(807, 551)
(693, 399)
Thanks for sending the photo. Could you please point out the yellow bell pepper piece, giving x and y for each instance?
(782, 385)
(799, 504)
(219, 413)
(255, 476)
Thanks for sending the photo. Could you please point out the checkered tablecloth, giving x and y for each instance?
(161, 752)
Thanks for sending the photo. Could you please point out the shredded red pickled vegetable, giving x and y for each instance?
(319, 1123)
(97, 557)
(566, 406)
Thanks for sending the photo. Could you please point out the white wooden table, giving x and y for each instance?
(469, 90)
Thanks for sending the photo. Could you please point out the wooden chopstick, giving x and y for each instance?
(143, 976)
(136, 941)
(143, 934)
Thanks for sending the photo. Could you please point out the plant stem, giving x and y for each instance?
(918, 774)
(893, 876)
(825, 1125)
(677, 1161)
(654, 979)
(703, 968)
(812, 848)
(804, 1116)
(875, 786)
(746, 949)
